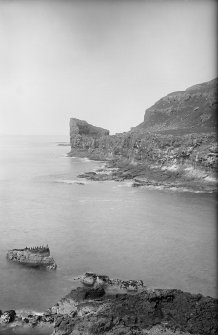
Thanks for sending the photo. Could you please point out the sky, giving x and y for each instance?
(103, 61)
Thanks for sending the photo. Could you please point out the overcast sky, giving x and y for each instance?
(104, 61)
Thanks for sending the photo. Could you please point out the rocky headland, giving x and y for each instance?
(33, 257)
(101, 305)
(175, 145)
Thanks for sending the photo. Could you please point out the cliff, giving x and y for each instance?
(192, 110)
(178, 135)
(84, 135)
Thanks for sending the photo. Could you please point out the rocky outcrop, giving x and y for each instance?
(7, 317)
(90, 279)
(139, 146)
(96, 312)
(177, 136)
(192, 110)
(83, 136)
(34, 257)
(113, 306)
(22, 323)
(83, 128)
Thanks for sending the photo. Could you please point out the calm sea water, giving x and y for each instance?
(167, 239)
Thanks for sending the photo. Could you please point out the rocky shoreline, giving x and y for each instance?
(174, 147)
(101, 305)
(190, 166)
(155, 177)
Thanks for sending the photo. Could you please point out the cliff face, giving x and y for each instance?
(192, 110)
(83, 137)
(178, 131)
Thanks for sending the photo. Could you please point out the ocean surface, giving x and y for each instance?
(165, 238)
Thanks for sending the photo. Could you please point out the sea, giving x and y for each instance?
(167, 238)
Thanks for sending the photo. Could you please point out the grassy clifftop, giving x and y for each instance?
(192, 110)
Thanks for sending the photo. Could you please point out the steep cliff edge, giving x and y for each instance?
(192, 110)
(177, 140)
(83, 136)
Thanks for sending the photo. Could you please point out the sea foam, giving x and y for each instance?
(71, 181)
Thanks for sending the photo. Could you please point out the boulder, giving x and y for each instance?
(93, 280)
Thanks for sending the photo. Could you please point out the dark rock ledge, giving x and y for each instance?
(111, 306)
(142, 175)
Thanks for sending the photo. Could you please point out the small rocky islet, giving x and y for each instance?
(33, 256)
(101, 305)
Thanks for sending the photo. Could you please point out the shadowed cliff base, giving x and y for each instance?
(175, 146)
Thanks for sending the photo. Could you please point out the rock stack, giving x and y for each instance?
(34, 257)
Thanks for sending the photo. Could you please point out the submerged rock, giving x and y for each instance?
(34, 257)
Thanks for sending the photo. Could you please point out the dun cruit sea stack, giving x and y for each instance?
(34, 257)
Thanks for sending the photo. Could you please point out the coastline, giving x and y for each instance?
(93, 311)
(90, 317)
(183, 178)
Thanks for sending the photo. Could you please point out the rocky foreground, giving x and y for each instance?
(111, 306)
(175, 145)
